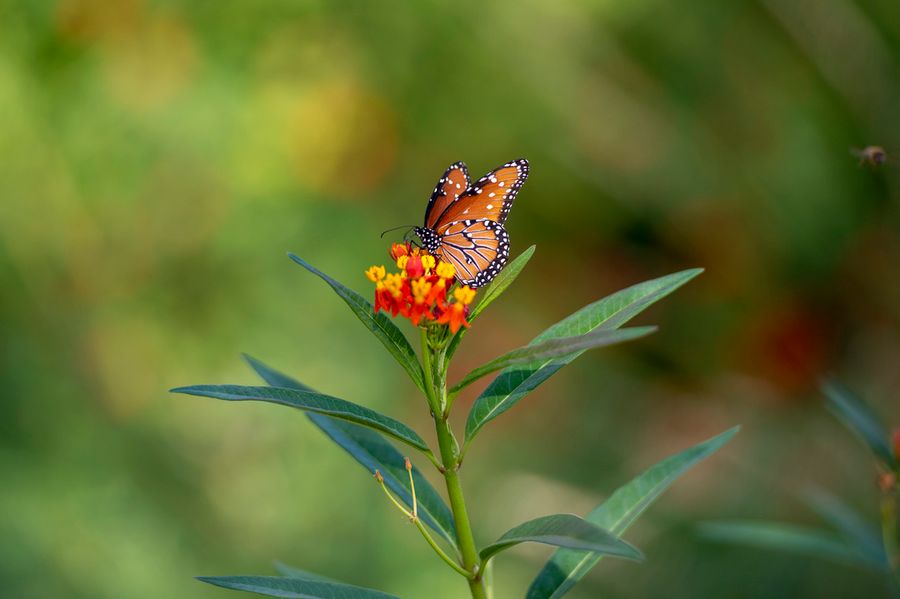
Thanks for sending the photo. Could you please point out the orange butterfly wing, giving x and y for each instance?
(489, 198)
(477, 249)
(448, 189)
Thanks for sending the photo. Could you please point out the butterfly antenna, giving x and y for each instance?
(395, 228)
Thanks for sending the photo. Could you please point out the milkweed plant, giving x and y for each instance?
(848, 538)
(429, 292)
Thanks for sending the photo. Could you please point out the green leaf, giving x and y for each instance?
(492, 292)
(553, 348)
(848, 522)
(311, 401)
(374, 452)
(294, 588)
(785, 537)
(890, 528)
(379, 324)
(565, 567)
(291, 572)
(859, 418)
(563, 530)
(514, 383)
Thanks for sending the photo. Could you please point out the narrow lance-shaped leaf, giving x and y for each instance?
(514, 383)
(562, 530)
(785, 537)
(492, 292)
(859, 418)
(848, 522)
(565, 567)
(374, 452)
(294, 588)
(890, 528)
(379, 324)
(291, 572)
(313, 402)
(553, 348)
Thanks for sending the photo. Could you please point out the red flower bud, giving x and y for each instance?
(399, 249)
(414, 268)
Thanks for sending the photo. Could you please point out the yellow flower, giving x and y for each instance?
(464, 295)
(375, 273)
(420, 289)
(445, 270)
(394, 283)
(428, 261)
(401, 262)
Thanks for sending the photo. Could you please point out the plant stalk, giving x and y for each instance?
(441, 553)
(435, 383)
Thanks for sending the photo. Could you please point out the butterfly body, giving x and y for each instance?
(464, 221)
(430, 239)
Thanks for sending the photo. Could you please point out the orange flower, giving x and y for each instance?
(419, 291)
(438, 294)
(383, 298)
(456, 314)
(398, 250)
(389, 294)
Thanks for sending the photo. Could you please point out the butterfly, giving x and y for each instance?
(464, 221)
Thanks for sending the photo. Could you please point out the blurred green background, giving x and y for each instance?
(158, 159)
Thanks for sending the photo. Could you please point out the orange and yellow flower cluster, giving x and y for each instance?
(421, 291)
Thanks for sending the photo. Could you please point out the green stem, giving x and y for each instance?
(438, 550)
(430, 455)
(429, 376)
(435, 375)
(414, 518)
